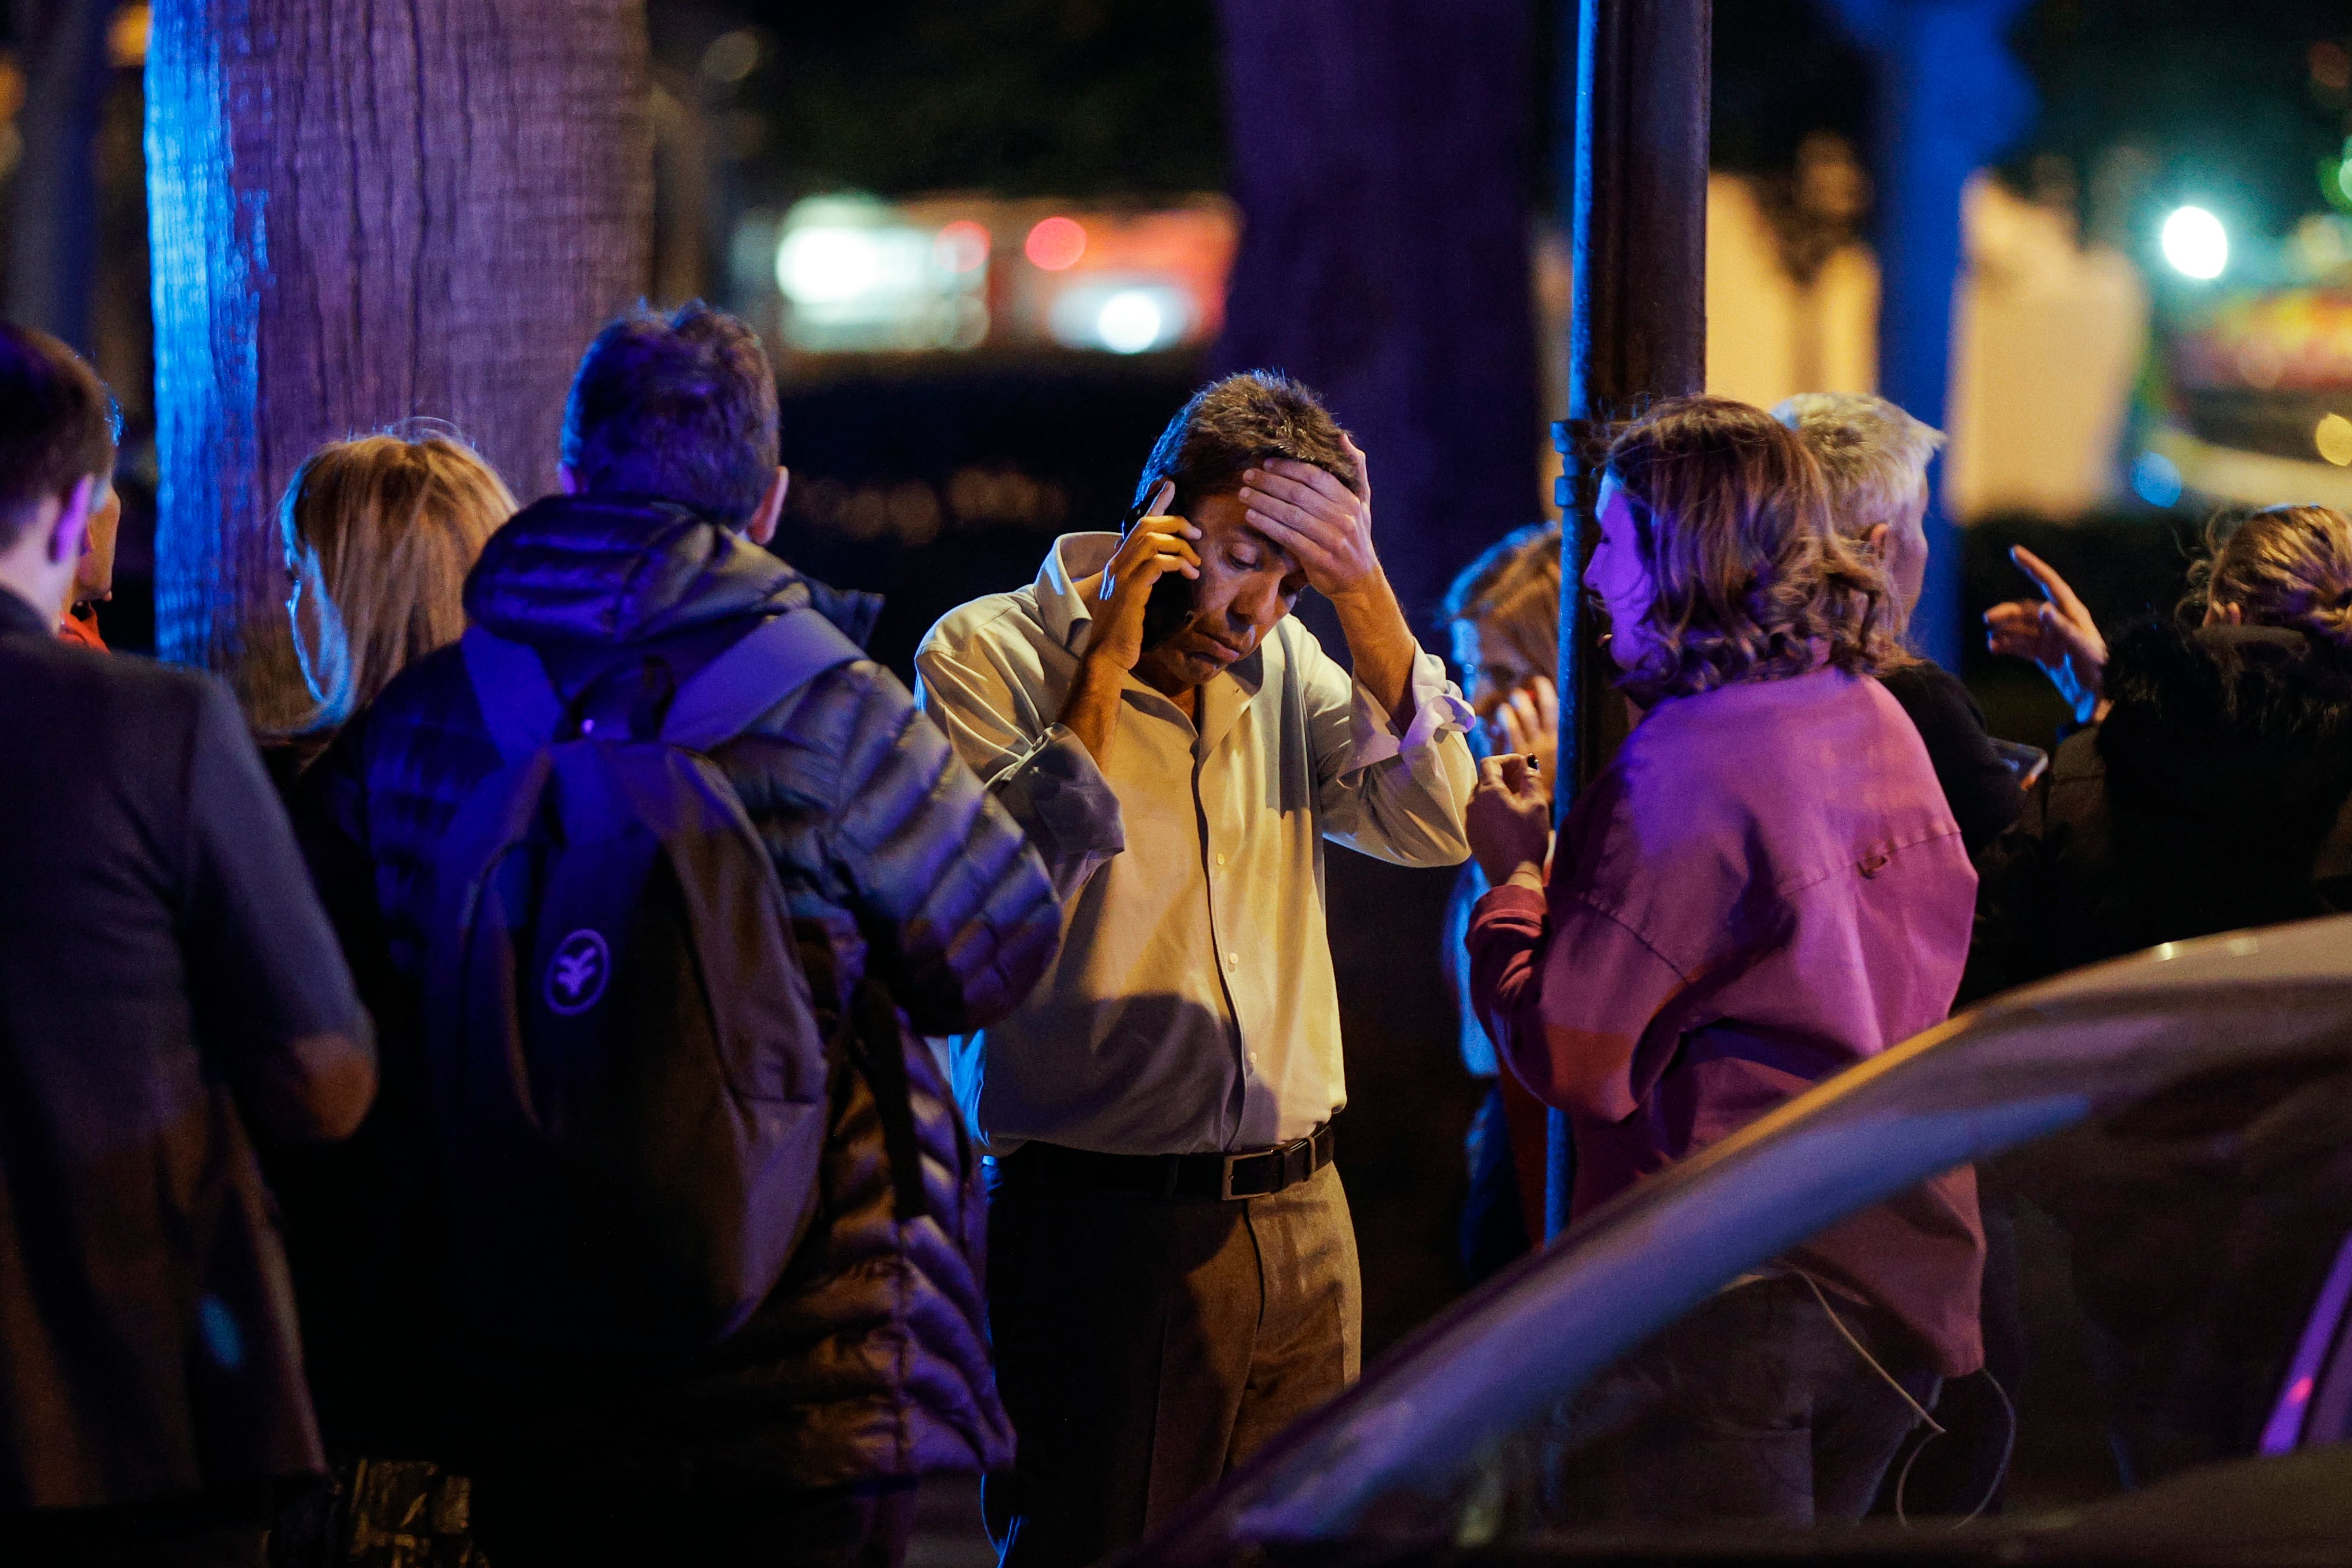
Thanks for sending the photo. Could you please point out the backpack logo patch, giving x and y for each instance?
(576, 976)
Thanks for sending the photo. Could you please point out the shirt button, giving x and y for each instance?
(1253, 1061)
(1221, 859)
(1233, 960)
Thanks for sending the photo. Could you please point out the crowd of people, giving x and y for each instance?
(626, 1080)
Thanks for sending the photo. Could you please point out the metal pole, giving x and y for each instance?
(1638, 326)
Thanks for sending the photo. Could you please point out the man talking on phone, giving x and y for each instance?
(1172, 1273)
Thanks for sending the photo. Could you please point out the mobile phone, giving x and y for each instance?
(1168, 609)
(2026, 762)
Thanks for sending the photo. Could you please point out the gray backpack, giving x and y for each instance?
(624, 1066)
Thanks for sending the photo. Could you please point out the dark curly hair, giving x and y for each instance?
(1732, 521)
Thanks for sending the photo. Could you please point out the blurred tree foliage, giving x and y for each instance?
(1782, 69)
(1099, 96)
(2217, 95)
(1019, 97)
(2220, 96)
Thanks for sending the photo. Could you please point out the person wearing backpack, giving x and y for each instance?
(654, 880)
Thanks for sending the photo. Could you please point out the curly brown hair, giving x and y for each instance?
(1754, 583)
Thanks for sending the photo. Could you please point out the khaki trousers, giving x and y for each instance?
(1146, 1347)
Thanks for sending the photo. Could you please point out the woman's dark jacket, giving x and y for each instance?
(871, 1358)
(2213, 797)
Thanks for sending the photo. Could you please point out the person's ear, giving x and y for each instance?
(762, 525)
(72, 525)
(566, 480)
(1876, 540)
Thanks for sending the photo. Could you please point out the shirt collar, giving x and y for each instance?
(1060, 605)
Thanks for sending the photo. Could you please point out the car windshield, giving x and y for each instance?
(2158, 1288)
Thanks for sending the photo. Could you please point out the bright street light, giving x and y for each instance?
(2196, 244)
(1131, 321)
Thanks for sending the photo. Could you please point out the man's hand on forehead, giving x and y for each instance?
(1309, 515)
(1273, 546)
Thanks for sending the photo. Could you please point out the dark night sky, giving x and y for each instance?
(2219, 95)
(1093, 98)
(1022, 97)
(1103, 96)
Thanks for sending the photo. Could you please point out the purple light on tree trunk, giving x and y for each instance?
(362, 214)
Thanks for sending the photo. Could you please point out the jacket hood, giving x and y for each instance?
(603, 569)
(2227, 719)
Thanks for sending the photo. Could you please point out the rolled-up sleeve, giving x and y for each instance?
(1061, 800)
(956, 905)
(1042, 775)
(1396, 798)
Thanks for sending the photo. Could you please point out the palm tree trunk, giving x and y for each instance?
(363, 213)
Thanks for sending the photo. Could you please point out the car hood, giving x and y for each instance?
(2025, 1063)
(2283, 1513)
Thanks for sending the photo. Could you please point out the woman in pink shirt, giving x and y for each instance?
(1764, 887)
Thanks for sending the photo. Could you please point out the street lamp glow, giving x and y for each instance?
(2334, 439)
(828, 264)
(1131, 321)
(2196, 244)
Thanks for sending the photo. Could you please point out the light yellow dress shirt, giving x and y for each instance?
(1192, 1007)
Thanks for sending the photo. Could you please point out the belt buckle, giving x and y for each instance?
(1292, 1163)
(1225, 1192)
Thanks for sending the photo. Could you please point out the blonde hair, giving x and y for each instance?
(380, 533)
(1874, 456)
(2283, 566)
(1515, 589)
(1731, 517)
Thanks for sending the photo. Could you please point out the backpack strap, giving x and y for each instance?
(518, 699)
(876, 1043)
(765, 665)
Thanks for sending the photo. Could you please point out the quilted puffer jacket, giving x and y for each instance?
(865, 1348)
(870, 1358)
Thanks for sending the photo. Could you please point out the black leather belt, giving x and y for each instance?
(1258, 1174)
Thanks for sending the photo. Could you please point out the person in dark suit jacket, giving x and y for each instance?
(166, 979)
